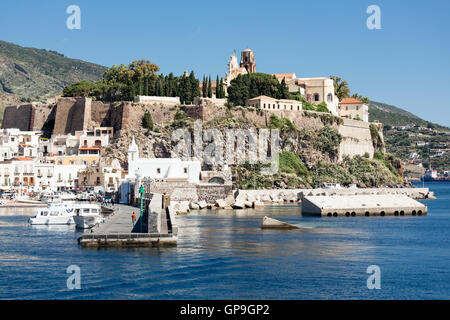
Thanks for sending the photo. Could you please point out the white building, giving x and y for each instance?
(16, 143)
(167, 169)
(354, 109)
(268, 103)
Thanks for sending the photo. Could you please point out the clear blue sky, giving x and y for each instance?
(406, 63)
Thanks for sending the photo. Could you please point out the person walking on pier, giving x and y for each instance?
(133, 218)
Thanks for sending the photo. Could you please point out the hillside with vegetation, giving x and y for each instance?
(394, 116)
(30, 74)
(411, 138)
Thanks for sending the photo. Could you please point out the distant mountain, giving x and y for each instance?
(395, 116)
(37, 74)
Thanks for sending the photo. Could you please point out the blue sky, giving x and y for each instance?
(406, 63)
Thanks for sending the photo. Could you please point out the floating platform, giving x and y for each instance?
(362, 205)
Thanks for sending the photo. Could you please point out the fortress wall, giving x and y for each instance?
(19, 117)
(72, 114)
(41, 114)
(357, 139)
(100, 114)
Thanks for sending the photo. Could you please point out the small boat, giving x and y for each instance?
(87, 216)
(53, 215)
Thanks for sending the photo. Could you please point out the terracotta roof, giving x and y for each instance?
(350, 101)
(23, 159)
(284, 75)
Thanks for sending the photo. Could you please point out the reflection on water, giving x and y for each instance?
(225, 254)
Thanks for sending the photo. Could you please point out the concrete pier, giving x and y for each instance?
(158, 228)
(362, 205)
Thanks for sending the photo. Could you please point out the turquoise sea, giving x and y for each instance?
(225, 255)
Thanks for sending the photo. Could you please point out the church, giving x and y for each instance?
(314, 90)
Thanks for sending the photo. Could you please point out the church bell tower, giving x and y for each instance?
(248, 60)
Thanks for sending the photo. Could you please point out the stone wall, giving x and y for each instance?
(212, 192)
(72, 114)
(357, 139)
(19, 117)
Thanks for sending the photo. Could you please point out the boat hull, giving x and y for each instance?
(51, 221)
(86, 222)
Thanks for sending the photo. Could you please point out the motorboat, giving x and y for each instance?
(55, 214)
(87, 216)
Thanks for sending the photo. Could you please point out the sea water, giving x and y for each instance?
(226, 255)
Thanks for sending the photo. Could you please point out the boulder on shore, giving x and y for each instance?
(202, 204)
(194, 206)
(229, 200)
(270, 223)
(239, 204)
(248, 204)
(222, 204)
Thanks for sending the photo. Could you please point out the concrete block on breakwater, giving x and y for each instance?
(362, 205)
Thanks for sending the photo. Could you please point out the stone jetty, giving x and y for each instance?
(158, 227)
(362, 205)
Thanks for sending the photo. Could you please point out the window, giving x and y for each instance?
(158, 170)
(185, 170)
(357, 107)
(330, 97)
(98, 180)
(316, 97)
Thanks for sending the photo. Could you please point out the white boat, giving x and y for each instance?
(53, 215)
(87, 216)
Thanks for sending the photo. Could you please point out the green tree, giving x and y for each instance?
(147, 121)
(209, 87)
(195, 86)
(341, 89)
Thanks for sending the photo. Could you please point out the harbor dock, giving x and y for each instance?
(362, 205)
(157, 228)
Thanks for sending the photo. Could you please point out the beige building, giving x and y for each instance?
(268, 103)
(101, 175)
(352, 108)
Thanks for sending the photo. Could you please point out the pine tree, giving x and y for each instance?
(221, 89)
(209, 87)
(217, 87)
(204, 87)
(147, 121)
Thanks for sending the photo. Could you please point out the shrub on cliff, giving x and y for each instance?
(377, 141)
(281, 123)
(328, 140)
(147, 121)
(290, 162)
